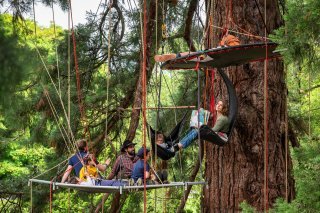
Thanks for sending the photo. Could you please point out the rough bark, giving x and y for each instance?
(235, 172)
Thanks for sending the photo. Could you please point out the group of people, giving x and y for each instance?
(221, 128)
(128, 168)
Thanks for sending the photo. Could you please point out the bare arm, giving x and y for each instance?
(114, 170)
(147, 175)
(66, 174)
(103, 167)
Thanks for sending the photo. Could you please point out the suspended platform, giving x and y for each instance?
(224, 56)
(113, 189)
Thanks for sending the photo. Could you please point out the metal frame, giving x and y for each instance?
(112, 189)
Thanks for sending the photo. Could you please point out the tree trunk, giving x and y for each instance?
(235, 172)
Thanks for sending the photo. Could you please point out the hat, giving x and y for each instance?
(126, 144)
(141, 152)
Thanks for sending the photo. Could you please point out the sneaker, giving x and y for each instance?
(139, 183)
(130, 183)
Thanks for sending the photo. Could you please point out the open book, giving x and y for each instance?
(203, 118)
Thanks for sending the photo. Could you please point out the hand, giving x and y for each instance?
(108, 161)
(152, 177)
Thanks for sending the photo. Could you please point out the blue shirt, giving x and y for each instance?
(138, 170)
(75, 161)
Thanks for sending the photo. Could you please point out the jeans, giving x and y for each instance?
(111, 183)
(191, 135)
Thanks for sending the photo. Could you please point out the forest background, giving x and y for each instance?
(30, 132)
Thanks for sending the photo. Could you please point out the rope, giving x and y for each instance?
(309, 103)
(69, 73)
(199, 138)
(266, 130)
(31, 197)
(108, 77)
(56, 47)
(286, 138)
(34, 19)
(50, 196)
(55, 114)
(50, 169)
(54, 85)
(79, 93)
(144, 75)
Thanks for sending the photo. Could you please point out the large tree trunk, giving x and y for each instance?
(235, 172)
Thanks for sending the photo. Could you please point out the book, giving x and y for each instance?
(203, 118)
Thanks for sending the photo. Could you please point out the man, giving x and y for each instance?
(76, 161)
(138, 168)
(122, 168)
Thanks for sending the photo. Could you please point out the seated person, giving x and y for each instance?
(221, 127)
(226, 41)
(160, 142)
(89, 174)
(138, 174)
(76, 161)
(122, 168)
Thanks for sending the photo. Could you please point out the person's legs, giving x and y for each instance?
(187, 140)
(170, 56)
(112, 183)
(164, 57)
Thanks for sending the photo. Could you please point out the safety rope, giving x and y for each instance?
(107, 70)
(34, 19)
(62, 130)
(56, 47)
(50, 77)
(144, 88)
(79, 92)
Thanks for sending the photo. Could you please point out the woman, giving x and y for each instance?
(221, 127)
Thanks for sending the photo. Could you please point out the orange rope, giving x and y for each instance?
(79, 93)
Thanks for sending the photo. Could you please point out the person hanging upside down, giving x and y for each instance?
(226, 41)
(221, 127)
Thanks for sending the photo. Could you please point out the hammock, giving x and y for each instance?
(163, 153)
(206, 133)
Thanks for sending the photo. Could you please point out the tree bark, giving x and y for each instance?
(235, 172)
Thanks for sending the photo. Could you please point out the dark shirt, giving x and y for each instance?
(74, 161)
(122, 168)
(138, 170)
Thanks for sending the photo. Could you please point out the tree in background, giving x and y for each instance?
(236, 172)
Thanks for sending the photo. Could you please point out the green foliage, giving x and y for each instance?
(14, 62)
(246, 208)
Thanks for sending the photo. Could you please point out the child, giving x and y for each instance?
(89, 171)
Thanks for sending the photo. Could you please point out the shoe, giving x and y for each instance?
(130, 183)
(176, 147)
(139, 183)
